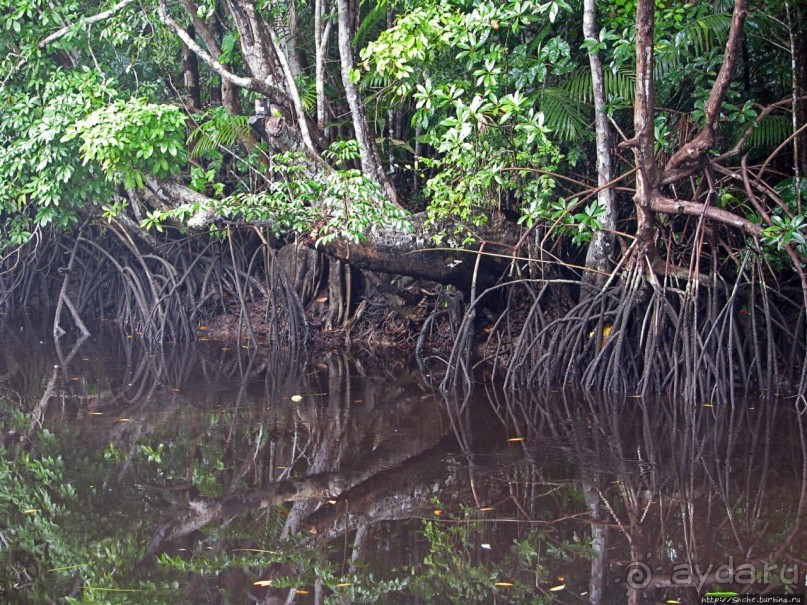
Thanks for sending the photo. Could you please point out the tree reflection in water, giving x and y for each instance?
(196, 474)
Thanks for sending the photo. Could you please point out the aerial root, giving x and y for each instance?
(702, 343)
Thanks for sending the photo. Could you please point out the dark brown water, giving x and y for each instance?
(201, 473)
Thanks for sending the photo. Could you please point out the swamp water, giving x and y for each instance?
(200, 473)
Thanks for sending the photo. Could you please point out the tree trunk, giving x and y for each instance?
(644, 138)
(322, 33)
(370, 162)
(599, 250)
(190, 67)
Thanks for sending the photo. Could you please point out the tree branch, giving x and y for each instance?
(86, 21)
(253, 84)
(705, 139)
(666, 205)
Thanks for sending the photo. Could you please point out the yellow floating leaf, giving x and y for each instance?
(635, 396)
(504, 584)
(708, 405)
(296, 398)
(322, 299)
(331, 501)
(124, 419)
(262, 583)
(74, 378)
(558, 588)
(202, 328)
(302, 592)
(226, 348)
(486, 508)
(175, 390)
(96, 413)
(358, 401)
(344, 584)
(204, 339)
(674, 601)
(438, 512)
(559, 579)
(30, 511)
(514, 439)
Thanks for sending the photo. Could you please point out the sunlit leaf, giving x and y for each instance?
(558, 588)
(262, 583)
(514, 439)
(296, 398)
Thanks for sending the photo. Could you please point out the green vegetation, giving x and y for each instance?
(649, 156)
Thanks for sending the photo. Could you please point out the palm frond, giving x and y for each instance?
(218, 129)
(697, 38)
(564, 114)
(369, 23)
(769, 133)
(620, 84)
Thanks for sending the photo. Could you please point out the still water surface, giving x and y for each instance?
(201, 473)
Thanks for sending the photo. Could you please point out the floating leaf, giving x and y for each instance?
(485, 545)
(322, 299)
(96, 413)
(503, 584)
(343, 584)
(558, 588)
(438, 512)
(124, 419)
(514, 439)
(262, 583)
(296, 398)
(202, 328)
(30, 511)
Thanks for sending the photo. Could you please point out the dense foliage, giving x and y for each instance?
(467, 123)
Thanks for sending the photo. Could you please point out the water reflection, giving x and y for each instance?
(210, 474)
(695, 497)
